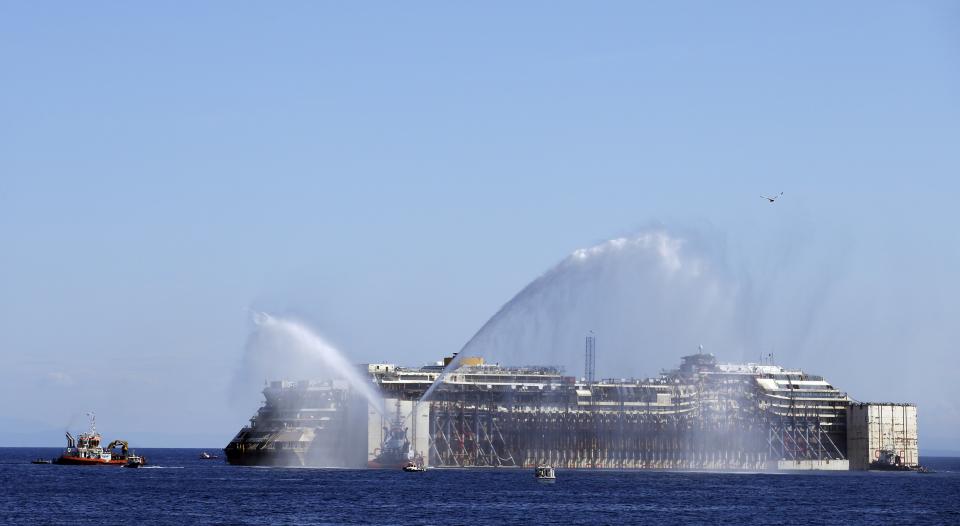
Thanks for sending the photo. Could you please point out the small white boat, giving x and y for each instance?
(134, 461)
(545, 473)
(413, 467)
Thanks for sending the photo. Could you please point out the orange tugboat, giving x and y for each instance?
(85, 449)
(394, 452)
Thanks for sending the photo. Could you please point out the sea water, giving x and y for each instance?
(179, 488)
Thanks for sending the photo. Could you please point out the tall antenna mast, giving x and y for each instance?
(590, 359)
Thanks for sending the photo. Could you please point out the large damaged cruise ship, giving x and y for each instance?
(702, 415)
(304, 423)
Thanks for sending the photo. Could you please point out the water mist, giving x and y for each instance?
(648, 297)
(284, 348)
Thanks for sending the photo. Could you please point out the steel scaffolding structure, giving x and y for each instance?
(471, 436)
(718, 421)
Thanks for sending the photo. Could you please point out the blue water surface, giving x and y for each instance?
(179, 488)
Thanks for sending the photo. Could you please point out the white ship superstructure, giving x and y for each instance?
(703, 415)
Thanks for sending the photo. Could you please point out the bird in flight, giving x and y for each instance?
(772, 199)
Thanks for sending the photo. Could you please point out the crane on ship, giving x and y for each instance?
(123, 446)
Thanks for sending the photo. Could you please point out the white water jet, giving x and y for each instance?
(282, 347)
(649, 298)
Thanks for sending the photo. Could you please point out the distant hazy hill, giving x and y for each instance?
(20, 432)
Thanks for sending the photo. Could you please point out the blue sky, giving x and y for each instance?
(394, 173)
